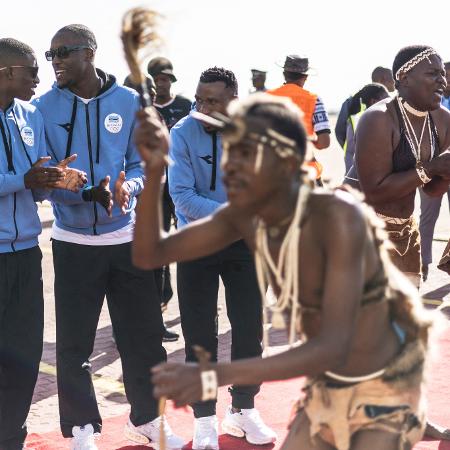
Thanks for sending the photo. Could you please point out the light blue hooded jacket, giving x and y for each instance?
(101, 134)
(195, 179)
(22, 143)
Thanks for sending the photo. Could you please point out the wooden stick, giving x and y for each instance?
(139, 34)
(161, 412)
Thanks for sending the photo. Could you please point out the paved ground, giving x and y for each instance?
(105, 361)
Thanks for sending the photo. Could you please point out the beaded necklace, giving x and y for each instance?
(415, 143)
(284, 271)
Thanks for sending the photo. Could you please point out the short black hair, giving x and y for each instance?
(11, 49)
(372, 91)
(407, 53)
(378, 73)
(293, 76)
(214, 74)
(82, 32)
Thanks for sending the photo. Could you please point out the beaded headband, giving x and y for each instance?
(281, 144)
(239, 132)
(425, 54)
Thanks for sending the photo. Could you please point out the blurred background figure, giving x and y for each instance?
(258, 80)
(172, 108)
(369, 95)
(315, 118)
(430, 207)
(381, 75)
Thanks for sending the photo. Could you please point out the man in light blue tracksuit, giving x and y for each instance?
(23, 181)
(197, 190)
(87, 113)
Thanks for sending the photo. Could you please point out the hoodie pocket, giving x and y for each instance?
(79, 216)
(7, 231)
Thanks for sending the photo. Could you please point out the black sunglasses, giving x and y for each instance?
(64, 51)
(32, 69)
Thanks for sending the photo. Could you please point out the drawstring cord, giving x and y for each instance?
(72, 126)
(97, 158)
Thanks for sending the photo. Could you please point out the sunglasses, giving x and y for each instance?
(32, 69)
(63, 51)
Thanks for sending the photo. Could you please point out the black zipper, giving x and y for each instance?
(72, 126)
(91, 162)
(7, 145)
(15, 223)
(212, 186)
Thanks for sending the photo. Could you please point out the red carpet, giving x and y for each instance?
(274, 402)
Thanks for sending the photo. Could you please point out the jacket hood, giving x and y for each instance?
(109, 86)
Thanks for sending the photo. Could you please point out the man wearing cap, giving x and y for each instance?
(317, 125)
(172, 108)
(258, 81)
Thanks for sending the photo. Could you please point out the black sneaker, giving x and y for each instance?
(170, 336)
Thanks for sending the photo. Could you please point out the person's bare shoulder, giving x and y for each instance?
(237, 218)
(378, 114)
(337, 212)
(442, 113)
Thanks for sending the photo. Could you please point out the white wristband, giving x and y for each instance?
(209, 385)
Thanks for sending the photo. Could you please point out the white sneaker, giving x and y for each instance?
(206, 433)
(248, 423)
(149, 432)
(83, 438)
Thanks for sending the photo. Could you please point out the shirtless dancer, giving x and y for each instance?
(364, 329)
(401, 145)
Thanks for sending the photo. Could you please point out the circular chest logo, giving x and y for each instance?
(27, 134)
(113, 123)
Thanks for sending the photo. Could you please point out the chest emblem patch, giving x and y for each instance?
(27, 134)
(113, 122)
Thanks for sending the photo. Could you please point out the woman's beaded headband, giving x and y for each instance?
(425, 54)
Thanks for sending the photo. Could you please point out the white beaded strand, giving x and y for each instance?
(284, 272)
(415, 143)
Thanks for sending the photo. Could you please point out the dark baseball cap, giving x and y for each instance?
(160, 65)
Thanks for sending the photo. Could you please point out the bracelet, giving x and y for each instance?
(209, 385)
(424, 178)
